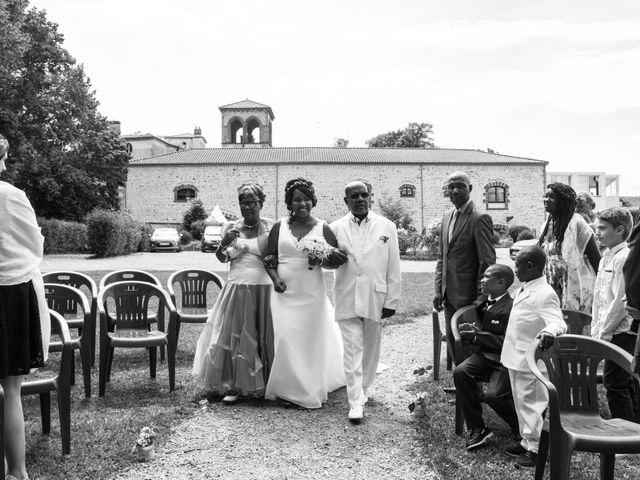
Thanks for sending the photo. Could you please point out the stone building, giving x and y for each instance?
(509, 188)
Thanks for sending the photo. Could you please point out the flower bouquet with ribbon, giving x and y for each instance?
(317, 250)
(144, 447)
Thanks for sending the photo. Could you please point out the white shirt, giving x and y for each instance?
(609, 314)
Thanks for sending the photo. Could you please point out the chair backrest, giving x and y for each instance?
(126, 305)
(65, 299)
(572, 368)
(193, 287)
(128, 276)
(466, 314)
(73, 279)
(578, 323)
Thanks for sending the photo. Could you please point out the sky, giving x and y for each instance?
(555, 80)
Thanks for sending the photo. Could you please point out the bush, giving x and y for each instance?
(63, 237)
(144, 245)
(185, 237)
(396, 211)
(515, 230)
(409, 240)
(525, 235)
(197, 229)
(194, 212)
(112, 233)
(501, 229)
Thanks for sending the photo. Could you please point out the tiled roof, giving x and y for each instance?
(328, 155)
(249, 104)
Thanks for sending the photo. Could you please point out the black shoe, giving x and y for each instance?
(478, 437)
(527, 460)
(515, 450)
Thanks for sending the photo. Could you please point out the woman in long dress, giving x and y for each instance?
(308, 345)
(572, 252)
(235, 349)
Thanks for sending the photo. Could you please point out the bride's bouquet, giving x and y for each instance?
(316, 249)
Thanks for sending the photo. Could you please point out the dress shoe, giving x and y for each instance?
(355, 414)
(527, 460)
(515, 450)
(478, 437)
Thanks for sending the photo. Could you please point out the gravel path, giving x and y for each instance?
(258, 440)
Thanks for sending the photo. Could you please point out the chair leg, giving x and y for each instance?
(171, 363)
(559, 460)
(459, 416)
(2, 472)
(543, 450)
(73, 367)
(64, 413)
(152, 362)
(437, 345)
(45, 412)
(85, 357)
(607, 466)
(109, 364)
(92, 330)
(104, 367)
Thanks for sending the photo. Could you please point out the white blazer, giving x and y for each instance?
(535, 309)
(370, 280)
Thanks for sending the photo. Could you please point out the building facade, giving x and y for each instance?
(159, 187)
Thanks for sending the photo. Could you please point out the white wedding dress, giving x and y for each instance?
(307, 362)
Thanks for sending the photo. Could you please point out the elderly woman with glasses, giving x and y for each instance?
(24, 317)
(235, 349)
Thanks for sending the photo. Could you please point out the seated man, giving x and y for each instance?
(486, 337)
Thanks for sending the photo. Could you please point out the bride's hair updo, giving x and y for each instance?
(303, 185)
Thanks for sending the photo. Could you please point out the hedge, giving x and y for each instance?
(63, 237)
(111, 233)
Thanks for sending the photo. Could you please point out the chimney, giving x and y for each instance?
(197, 131)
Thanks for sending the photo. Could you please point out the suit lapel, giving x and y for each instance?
(346, 223)
(463, 219)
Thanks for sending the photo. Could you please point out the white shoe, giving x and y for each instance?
(355, 414)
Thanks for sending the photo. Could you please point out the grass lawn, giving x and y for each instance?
(103, 429)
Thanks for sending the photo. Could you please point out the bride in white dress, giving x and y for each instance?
(307, 362)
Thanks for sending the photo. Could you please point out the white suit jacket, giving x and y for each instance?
(371, 279)
(535, 309)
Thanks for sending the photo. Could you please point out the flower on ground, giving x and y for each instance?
(146, 437)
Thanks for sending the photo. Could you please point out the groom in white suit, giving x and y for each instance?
(366, 290)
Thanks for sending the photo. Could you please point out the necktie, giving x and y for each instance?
(490, 302)
(452, 225)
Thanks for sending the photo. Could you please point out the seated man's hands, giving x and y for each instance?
(546, 340)
(437, 303)
(468, 331)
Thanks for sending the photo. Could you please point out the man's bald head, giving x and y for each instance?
(458, 188)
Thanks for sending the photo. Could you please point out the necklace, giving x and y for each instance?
(250, 227)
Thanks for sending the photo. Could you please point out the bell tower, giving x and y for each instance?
(246, 124)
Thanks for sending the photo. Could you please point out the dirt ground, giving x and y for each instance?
(265, 440)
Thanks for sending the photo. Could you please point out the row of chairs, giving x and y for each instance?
(127, 303)
(573, 369)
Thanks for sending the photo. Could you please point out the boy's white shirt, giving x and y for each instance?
(609, 315)
(536, 309)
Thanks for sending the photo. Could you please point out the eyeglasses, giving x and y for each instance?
(355, 196)
(248, 203)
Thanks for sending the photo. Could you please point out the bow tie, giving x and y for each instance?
(490, 302)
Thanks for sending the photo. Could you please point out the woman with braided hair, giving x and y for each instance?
(307, 362)
(572, 252)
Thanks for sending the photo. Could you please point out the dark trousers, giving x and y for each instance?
(498, 393)
(449, 311)
(622, 388)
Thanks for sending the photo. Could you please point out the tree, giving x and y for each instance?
(341, 143)
(397, 212)
(416, 135)
(194, 212)
(63, 153)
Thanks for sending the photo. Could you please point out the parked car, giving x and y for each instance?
(211, 238)
(166, 238)
(516, 247)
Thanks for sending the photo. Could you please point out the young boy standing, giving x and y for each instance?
(535, 317)
(611, 321)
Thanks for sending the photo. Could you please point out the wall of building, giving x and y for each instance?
(150, 189)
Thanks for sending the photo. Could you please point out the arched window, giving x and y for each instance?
(236, 131)
(496, 196)
(253, 130)
(184, 193)
(407, 190)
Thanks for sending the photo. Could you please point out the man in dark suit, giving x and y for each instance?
(486, 337)
(465, 251)
(631, 273)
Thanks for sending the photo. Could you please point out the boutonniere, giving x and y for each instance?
(384, 238)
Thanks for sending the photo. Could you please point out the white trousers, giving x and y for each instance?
(361, 341)
(530, 398)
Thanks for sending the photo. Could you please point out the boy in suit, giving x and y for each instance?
(366, 290)
(486, 335)
(535, 317)
(610, 320)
